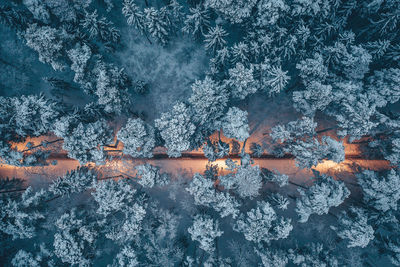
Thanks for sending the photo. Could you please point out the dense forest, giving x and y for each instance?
(199, 133)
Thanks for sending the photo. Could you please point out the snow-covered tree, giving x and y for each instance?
(235, 125)
(384, 85)
(112, 196)
(273, 79)
(303, 127)
(125, 230)
(316, 96)
(313, 69)
(240, 53)
(149, 176)
(138, 138)
(241, 82)
(20, 217)
(134, 16)
(279, 201)
(380, 190)
(100, 28)
(354, 116)
(310, 153)
(214, 39)
(353, 226)
(269, 11)
(86, 141)
(126, 258)
(24, 258)
(208, 100)
(74, 239)
(262, 224)
(49, 43)
(319, 198)
(33, 115)
(79, 57)
(233, 10)
(156, 24)
(256, 150)
(197, 22)
(111, 87)
(177, 129)
(38, 9)
(275, 177)
(205, 230)
(246, 181)
(75, 181)
(204, 193)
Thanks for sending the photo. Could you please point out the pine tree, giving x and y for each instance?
(86, 142)
(241, 81)
(19, 217)
(235, 125)
(319, 198)
(262, 224)
(156, 24)
(149, 176)
(353, 226)
(246, 181)
(74, 239)
(80, 56)
(75, 181)
(112, 196)
(49, 43)
(197, 22)
(176, 129)
(214, 39)
(133, 15)
(138, 138)
(380, 190)
(126, 258)
(205, 230)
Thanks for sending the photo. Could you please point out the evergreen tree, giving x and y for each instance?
(197, 22)
(381, 191)
(353, 226)
(112, 196)
(262, 224)
(156, 24)
(138, 138)
(149, 176)
(75, 181)
(319, 198)
(214, 39)
(49, 43)
(86, 141)
(176, 129)
(241, 81)
(235, 124)
(19, 217)
(205, 230)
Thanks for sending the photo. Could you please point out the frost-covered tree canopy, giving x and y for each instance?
(262, 224)
(380, 190)
(176, 129)
(319, 198)
(19, 217)
(354, 227)
(75, 181)
(86, 141)
(138, 138)
(235, 125)
(205, 230)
